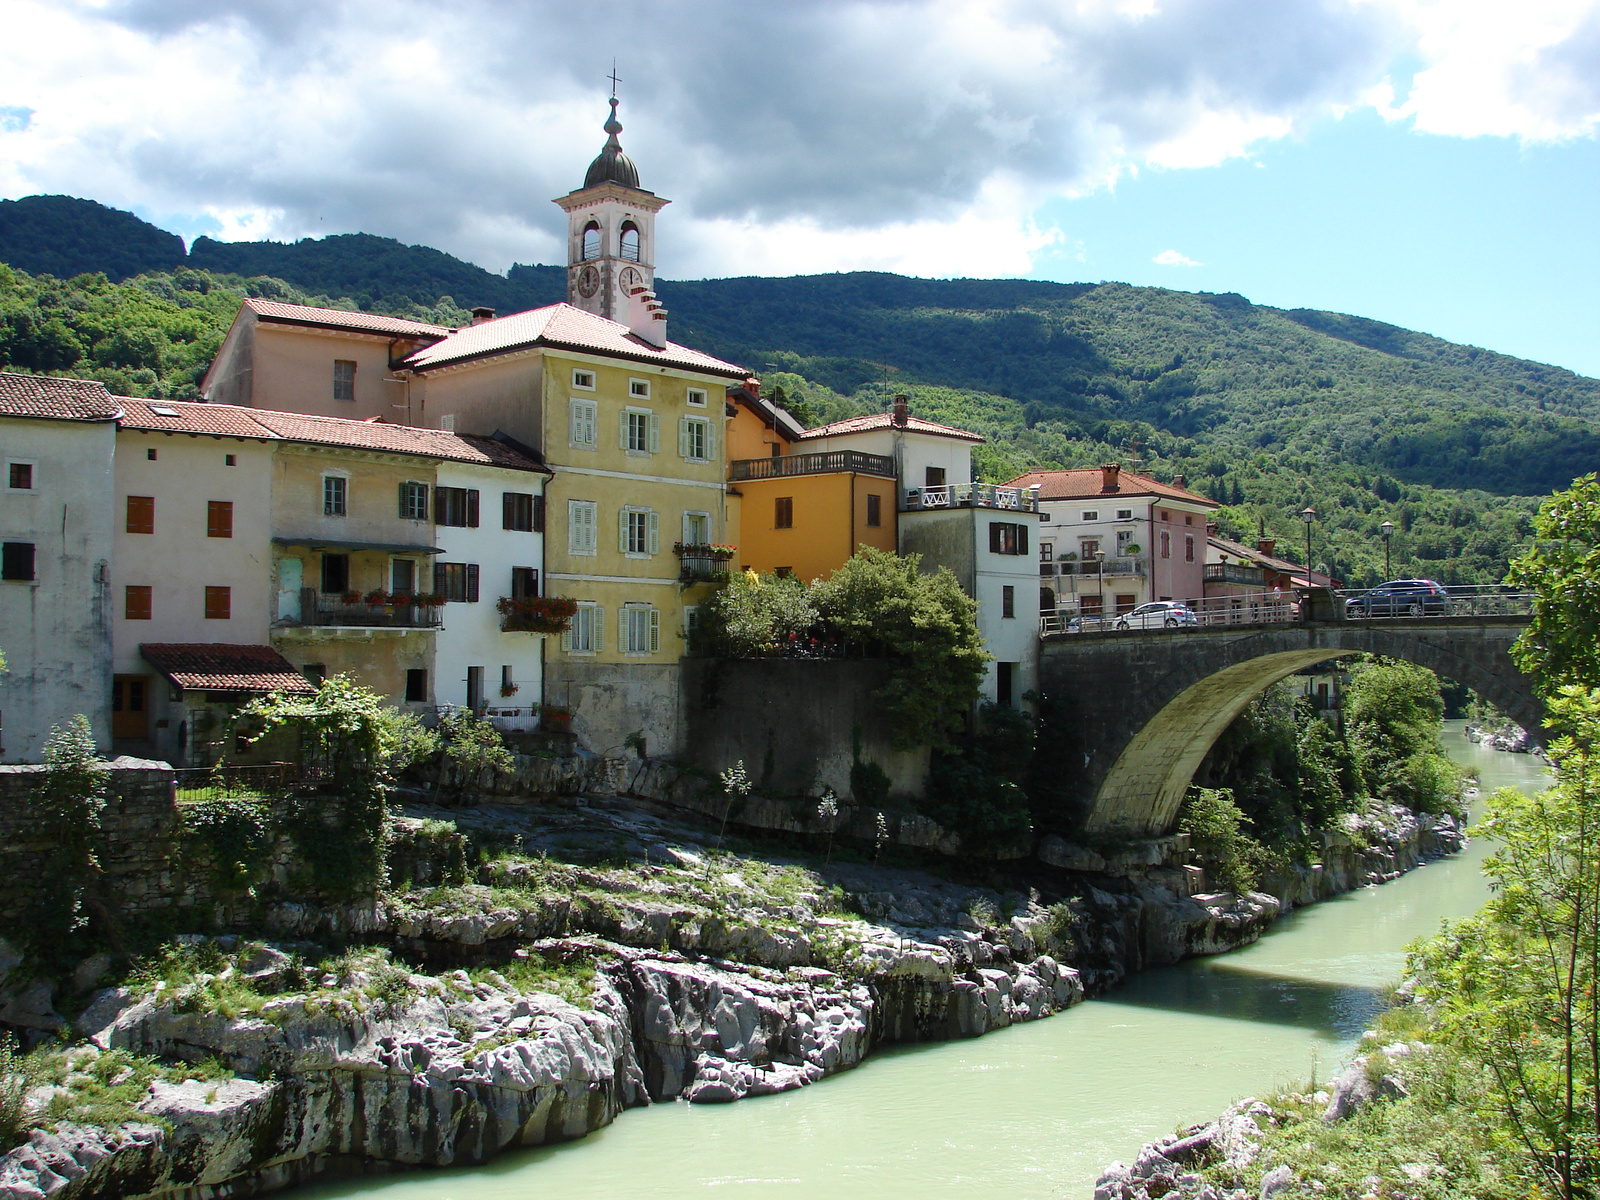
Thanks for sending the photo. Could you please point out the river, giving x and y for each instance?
(1035, 1111)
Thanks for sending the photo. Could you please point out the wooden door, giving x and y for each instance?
(130, 706)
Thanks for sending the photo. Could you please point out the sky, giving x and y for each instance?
(1432, 163)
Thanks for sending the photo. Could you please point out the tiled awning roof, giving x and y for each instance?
(219, 667)
(55, 398)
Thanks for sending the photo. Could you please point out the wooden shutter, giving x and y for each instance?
(622, 436)
(1022, 539)
(653, 433)
(622, 530)
(472, 583)
(599, 628)
(653, 526)
(508, 510)
(655, 630)
(538, 514)
(219, 518)
(141, 514)
(685, 438)
(472, 508)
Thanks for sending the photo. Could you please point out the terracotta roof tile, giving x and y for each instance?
(1085, 483)
(562, 325)
(231, 420)
(218, 667)
(54, 398)
(338, 318)
(874, 421)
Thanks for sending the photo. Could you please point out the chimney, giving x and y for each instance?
(482, 314)
(1266, 545)
(1108, 476)
(902, 410)
(1180, 480)
(647, 320)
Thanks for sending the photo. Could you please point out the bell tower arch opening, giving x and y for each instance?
(610, 231)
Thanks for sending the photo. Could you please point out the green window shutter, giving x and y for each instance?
(685, 434)
(622, 530)
(599, 629)
(653, 524)
(655, 630)
(653, 433)
(622, 436)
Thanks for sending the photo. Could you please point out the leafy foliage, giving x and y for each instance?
(472, 745)
(1216, 826)
(1392, 716)
(979, 791)
(1562, 643)
(238, 834)
(755, 615)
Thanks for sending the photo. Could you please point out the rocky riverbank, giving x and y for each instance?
(594, 957)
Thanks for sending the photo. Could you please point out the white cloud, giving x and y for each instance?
(1171, 258)
(911, 135)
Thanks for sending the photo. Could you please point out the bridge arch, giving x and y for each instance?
(1150, 706)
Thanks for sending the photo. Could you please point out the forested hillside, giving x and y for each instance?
(1264, 409)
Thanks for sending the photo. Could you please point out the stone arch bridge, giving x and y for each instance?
(1139, 711)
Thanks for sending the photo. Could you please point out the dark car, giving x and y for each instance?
(1400, 598)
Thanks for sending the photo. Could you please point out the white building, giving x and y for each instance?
(57, 441)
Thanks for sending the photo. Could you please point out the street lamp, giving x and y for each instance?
(1308, 515)
(1388, 532)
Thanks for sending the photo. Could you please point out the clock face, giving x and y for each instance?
(588, 282)
(631, 279)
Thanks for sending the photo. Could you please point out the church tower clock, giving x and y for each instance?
(611, 231)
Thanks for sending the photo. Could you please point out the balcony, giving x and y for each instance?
(1111, 566)
(973, 495)
(827, 463)
(535, 614)
(352, 610)
(1235, 573)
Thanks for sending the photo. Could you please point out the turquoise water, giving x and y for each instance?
(1035, 1111)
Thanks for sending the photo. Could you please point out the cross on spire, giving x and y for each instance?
(613, 78)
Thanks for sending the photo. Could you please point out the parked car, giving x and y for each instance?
(1400, 598)
(1158, 614)
(1088, 624)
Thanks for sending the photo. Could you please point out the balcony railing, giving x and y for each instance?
(535, 614)
(702, 568)
(319, 610)
(973, 495)
(1112, 566)
(1235, 573)
(825, 463)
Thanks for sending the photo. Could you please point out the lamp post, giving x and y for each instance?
(1100, 576)
(1388, 532)
(1308, 515)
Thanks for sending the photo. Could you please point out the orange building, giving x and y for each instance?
(799, 512)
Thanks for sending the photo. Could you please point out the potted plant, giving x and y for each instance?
(536, 614)
(350, 597)
(378, 598)
(1130, 549)
(509, 689)
(555, 718)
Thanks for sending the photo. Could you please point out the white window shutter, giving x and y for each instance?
(622, 530)
(711, 441)
(566, 634)
(574, 422)
(685, 431)
(655, 630)
(688, 530)
(622, 437)
(654, 432)
(599, 629)
(653, 522)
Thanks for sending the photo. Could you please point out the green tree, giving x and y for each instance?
(472, 746)
(1393, 712)
(754, 615)
(1561, 645)
(1518, 986)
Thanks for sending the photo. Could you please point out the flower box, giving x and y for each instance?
(536, 614)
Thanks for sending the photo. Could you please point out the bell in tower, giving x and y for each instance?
(611, 231)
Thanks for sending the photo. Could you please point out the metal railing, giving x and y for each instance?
(1463, 600)
(1088, 570)
(826, 462)
(1259, 608)
(702, 568)
(228, 780)
(1234, 573)
(973, 495)
(317, 609)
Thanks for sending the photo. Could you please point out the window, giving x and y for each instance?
(629, 242)
(1088, 606)
(219, 518)
(1092, 515)
(1124, 514)
(136, 602)
(1188, 547)
(641, 431)
(874, 510)
(150, 454)
(694, 439)
(413, 501)
(933, 477)
(417, 685)
(344, 379)
(315, 672)
(584, 418)
(587, 635)
(219, 603)
(335, 574)
(1166, 544)
(1047, 552)
(1126, 602)
(696, 528)
(639, 389)
(230, 460)
(516, 511)
(697, 397)
(1008, 601)
(335, 492)
(1124, 540)
(403, 576)
(583, 526)
(1189, 520)
(638, 532)
(475, 688)
(1003, 672)
(1007, 538)
(19, 476)
(641, 629)
(1166, 516)
(783, 512)
(16, 561)
(456, 581)
(456, 506)
(1088, 548)
(524, 582)
(583, 380)
(508, 684)
(141, 514)
(591, 240)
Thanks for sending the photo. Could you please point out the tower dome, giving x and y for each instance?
(612, 165)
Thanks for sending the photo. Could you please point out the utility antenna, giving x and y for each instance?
(613, 78)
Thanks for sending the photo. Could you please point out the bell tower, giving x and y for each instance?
(611, 232)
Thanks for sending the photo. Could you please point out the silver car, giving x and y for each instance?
(1158, 614)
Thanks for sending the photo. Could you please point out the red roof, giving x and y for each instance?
(218, 667)
(564, 326)
(1089, 483)
(338, 318)
(55, 399)
(883, 420)
(231, 420)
